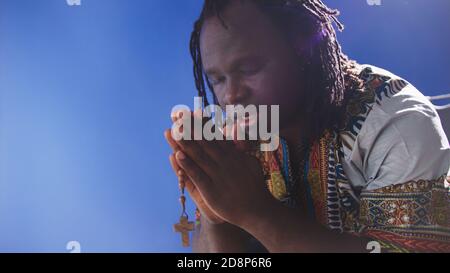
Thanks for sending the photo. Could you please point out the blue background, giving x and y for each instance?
(86, 92)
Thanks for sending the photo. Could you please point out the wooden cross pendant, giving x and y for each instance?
(184, 226)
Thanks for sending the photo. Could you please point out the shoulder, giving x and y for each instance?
(397, 103)
(394, 95)
(397, 136)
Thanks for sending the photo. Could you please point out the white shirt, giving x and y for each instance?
(402, 139)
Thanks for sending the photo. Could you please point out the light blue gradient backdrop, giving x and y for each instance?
(86, 92)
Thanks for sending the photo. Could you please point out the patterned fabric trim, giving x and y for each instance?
(413, 215)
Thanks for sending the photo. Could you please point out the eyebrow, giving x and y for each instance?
(211, 71)
(234, 65)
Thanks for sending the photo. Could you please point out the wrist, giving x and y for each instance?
(224, 237)
(267, 211)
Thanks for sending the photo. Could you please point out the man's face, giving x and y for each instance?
(251, 62)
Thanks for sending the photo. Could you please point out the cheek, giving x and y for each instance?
(283, 89)
(276, 87)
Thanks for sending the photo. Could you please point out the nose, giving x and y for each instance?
(236, 93)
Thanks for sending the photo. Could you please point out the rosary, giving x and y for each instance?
(183, 226)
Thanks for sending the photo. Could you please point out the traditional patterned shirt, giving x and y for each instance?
(382, 176)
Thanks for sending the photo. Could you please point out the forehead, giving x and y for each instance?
(249, 31)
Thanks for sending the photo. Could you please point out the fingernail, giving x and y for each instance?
(181, 155)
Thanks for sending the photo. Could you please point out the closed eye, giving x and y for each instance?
(216, 80)
(249, 70)
(252, 68)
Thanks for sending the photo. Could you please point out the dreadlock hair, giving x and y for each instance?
(327, 71)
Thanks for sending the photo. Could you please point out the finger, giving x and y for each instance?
(218, 146)
(231, 132)
(198, 153)
(243, 144)
(246, 145)
(196, 118)
(172, 143)
(182, 178)
(193, 192)
(212, 148)
(176, 168)
(201, 205)
(176, 115)
(181, 183)
(196, 174)
(186, 182)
